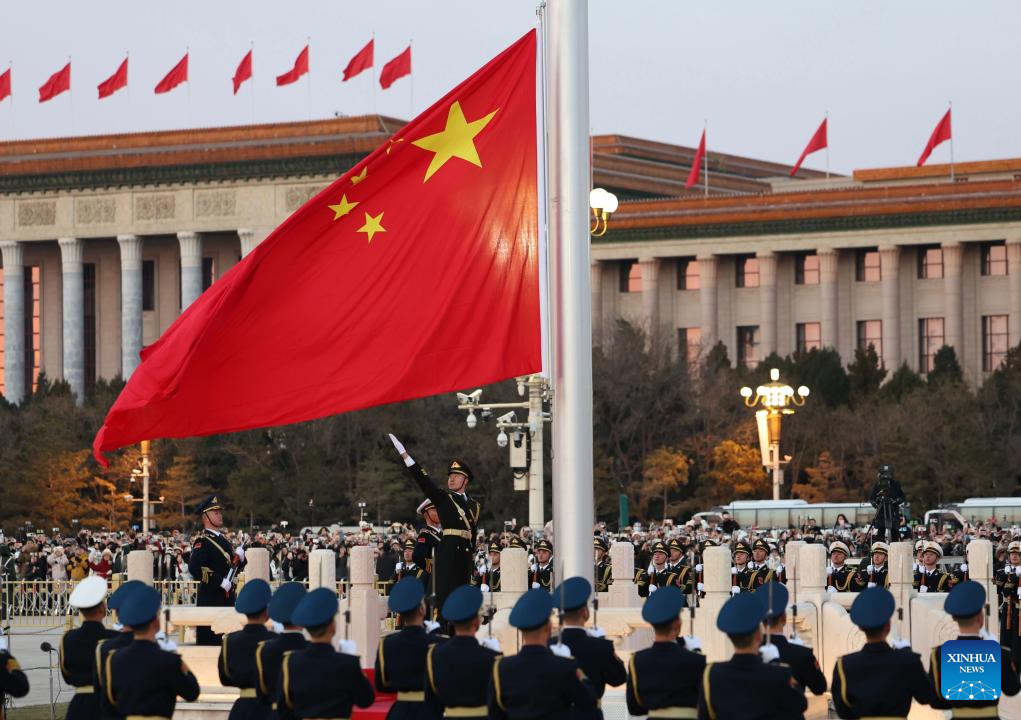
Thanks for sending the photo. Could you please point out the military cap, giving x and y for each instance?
(210, 503)
(406, 595)
(316, 609)
(872, 608)
(140, 607)
(760, 544)
(532, 610)
(675, 544)
(121, 594)
(600, 544)
(933, 548)
(659, 547)
(409, 544)
(285, 599)
(773, 596)
(881, 547)
(966, 600)
(459, 468)
(919, 545)
(1014, 546)
(572, 593)
(742, 546)
(88, 593)
(740, 615)
(709, 542)
(254, 597)
(663, 606)
(462, 604)
(838, 546)
(424, 505)
(544, 544)
(494, 547)
(516, 542)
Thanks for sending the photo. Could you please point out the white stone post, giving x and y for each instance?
(953, 302)
(791, 562)
(14, 321)
(1014, 290)
(140, 566)
(889, 274)
(707, 265)
(901, 574)
(73, 291)
(980, 569)
(767, 301)
(623, 592)
(650, 295)
(513, 570)
(322, 569)
(364, 603)
(131, 302)
(716, 576)
(257, 565)
(829, 260)
(191, 267)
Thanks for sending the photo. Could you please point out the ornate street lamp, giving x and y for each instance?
(603, 204)
(777, 399)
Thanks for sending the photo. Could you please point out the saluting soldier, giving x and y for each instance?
(269, 654)
(211, 561)
(1008, 579)
(603, 568)
(541, 574)
(317, 681)
(877, 574)
(143, 680)
(400, 659)
(877, 681)
(408, 567)
(459, 515)
(742, 574)
(457, 670)
(966, 605)
(800, 659)
(933, 578)
(839, 575)
(488, 580)
(428, 540)
(104, 647)
(236, 663)
(537, 682)
(78, 647)
(13, 680)
(744, 687)
(664, 680)
(590, 648)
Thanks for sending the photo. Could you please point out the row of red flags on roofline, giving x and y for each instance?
(60, 81)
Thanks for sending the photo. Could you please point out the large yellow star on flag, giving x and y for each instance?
(372, 225)
(457, 139)
(342, 208)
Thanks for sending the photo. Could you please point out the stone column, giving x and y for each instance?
(140, 566)
(980, 569)
(131, 302)
(250, 238)
(513, 570)
(650, 296)
(902, 575)
(597, 303)
(828, 262)
(14, 321)
(257, 565)
(792, 551)
(890, 272)
(1014, 289)
(191, 267)
(73, 291)
(707, 265)
(364, 604)
(953, 299)
(322, 569)
(623, 591)
(716, 576)
(767, 301)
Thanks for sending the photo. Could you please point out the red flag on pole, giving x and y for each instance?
(360, 62)
(244, 71)
(5, 84)
(115, 82)
(300, 68)
(696, 164)
(415, 273)
(818, 142)
(59, 82)
(177, 75)
(395, 69)
(939, 135)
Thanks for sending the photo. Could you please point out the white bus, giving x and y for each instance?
(1006, 510)
(784, 513)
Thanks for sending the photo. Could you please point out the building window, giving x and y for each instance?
(866, 266)
(687, 274)
(630, 277)
(809, 336)
(748, 346)
(930, 339)
(806, 269)
(994, 259)
(689, 344)
(207, 273)
(89, 284)
(994, 341)
(148, 285)
(747, 271)
(930, 263)
(870, 332)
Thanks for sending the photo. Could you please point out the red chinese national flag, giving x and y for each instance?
(360, 62)
(395, 69)
(300, 68)
(415, 273)
(941, 134)
(59, 82)
(818, 142)
(5, 84)
(696, 164)
(177, 75)
(244, 71)
(115, 82)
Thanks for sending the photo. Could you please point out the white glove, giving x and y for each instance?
(735, 590)
(398, 566)
(561, 650)
(733, 571)
(769, 652)
(400, 449)
(225, 584)
(1019, 592)
(240, 552)
(923, 589)
(872, 568)
(698, 568)
(492, 643)
(596, 632)
(700, 587)
(692, 643)
(276, 626)
(117, 626)
(899, 643)
(484, 588)
(164, 642)
(872, 584)
(964, 567)
(986, 635)
(653, 588)
(431, 625)
(535, 586)
(3, 643)
(831, 589)
(533, 567)
(1017, 570)
(796, 640)
(348, 647)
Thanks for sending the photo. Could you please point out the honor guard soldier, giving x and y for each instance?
(877, 573)
(400, 660)
(933, 578)
(457, 670)
(760, 563)
(589, 648)
(459, 515)
(408, 567)
(664, 680)
(966, 605)
(104, 647)
(1008, 592)
(318, 681)
(918, 564)
(744, 687)
(541, 574)
(236, 663)
(489, 579)
(13, 681)
(142, 680)
(877, 681)
(840, 577)
(428, 540)
(603, 568)
(679, 566)
(538, 682)
(270, 653)
(660, 574)
(78, 647)
(215, 564)
(800, 659)
(741, 573)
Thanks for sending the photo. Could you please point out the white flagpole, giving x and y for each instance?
(251, 80)
(308, 80)
(951, 111)
(705, 157)
(70, 94)
(573, 497)
(827, 144)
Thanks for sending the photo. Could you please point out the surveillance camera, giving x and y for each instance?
(507, 418)
(487, 415)
(501, 439)
(475, 395)
(471, 420)
(522, 386)
(462, 399)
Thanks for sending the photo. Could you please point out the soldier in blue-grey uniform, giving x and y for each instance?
(664, 680)
(270, 653)
(800, 659)
(104, 647)
(538, 682)
(878, 680)
(236, 664)
(13, 680)
(318, 681)
(78, 647)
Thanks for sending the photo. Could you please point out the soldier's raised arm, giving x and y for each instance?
(419, 475)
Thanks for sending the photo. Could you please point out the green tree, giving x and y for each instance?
(945, 368)
(865, 374)
(902, 383)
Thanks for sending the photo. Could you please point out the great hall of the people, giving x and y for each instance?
(105, 239)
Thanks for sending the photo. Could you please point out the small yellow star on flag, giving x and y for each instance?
(342, 208)
(372, 225)
(392, 143)
(360, 176)
(457, 139)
